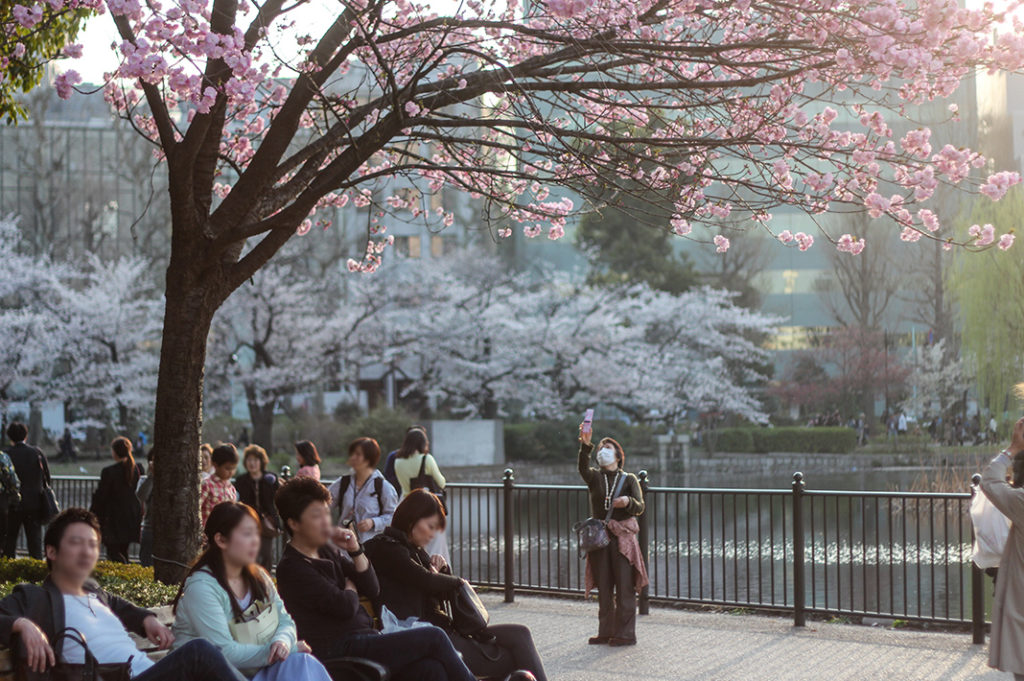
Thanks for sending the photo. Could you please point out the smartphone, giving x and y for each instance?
(588, 421)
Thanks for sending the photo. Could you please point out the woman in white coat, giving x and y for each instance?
(1006, 647)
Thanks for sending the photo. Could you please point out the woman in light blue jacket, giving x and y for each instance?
(226, 582)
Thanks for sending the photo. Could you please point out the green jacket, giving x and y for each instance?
(204, 612)
(599, 481)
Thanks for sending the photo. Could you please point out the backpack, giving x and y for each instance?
(378, 490)
(10, 487)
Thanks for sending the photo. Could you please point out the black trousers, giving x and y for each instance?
(16, 519)
(616, 599)
(117, 553)
(512, 649)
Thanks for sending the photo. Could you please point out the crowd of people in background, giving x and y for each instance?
(365, 572)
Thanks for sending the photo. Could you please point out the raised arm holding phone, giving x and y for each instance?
(617, 569)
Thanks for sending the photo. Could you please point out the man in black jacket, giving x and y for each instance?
(33, 473)
(32, 616)
(320, 587)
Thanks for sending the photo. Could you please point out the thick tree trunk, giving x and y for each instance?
(178, 423)
(262, 417)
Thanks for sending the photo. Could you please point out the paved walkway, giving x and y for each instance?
(678, 645)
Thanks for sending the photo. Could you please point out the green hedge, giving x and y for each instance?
(132, 582)
(785, 439)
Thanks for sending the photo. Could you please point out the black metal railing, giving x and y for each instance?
(898, 555)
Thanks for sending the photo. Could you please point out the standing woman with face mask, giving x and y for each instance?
(617, 570)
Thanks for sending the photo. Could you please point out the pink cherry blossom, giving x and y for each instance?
(65, 82)
(27, 16)
(997, 185)
(785, 236)
(1005, 241)
(721, 243)
(848, 243)
(804, 241)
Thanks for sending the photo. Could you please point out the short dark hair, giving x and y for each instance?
(224, 453)
(17, 431)
(416, 506)
(368, 447)
(259, 453)
(307, 452)
(296, 495)
(59, 525)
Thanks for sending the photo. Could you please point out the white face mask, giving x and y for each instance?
(606, 456)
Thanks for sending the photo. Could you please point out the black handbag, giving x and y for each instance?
(90, 670)
(49, 508)
(592, 533)
(468, 613)
(427, 482)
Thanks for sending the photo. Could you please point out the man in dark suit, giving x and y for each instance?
(33, 474)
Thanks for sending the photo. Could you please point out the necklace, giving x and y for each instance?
(87, 603)
(609, 490)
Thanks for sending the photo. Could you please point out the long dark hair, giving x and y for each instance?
(307, 452)
(122, 448)
(415, 442)
(224, 519)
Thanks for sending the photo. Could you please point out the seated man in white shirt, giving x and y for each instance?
(33, 615)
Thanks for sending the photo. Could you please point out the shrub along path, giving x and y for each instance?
(679, 645)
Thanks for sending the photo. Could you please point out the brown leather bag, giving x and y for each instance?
(268, 528)
(90, 670)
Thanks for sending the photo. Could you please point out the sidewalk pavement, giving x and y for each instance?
(680, 645)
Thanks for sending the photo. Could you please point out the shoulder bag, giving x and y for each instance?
(50, 507)
(427, 482)
(468, 613)
(89, 670)
(592, 533)
(256, 625)
(268, 528)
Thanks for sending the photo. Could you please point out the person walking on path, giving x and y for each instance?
(618, 569)
(33, 476)
(114, 502)
(366, 500)
(219, 486)
(309, 460)
(257, 488)
(1005, 650)
(413, 464)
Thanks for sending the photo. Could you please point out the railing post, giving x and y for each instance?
(509, 532)
(977, 584)
(799, 617)
(644, 602)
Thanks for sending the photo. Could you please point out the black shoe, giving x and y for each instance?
(616, 642)
(599, 640)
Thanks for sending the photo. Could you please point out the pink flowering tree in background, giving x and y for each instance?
(731, 108)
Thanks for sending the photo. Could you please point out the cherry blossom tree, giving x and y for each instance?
(108, 314)
(938, 380)
(733, 108)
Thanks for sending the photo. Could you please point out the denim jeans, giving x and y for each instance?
(197, 660)
(417, 654)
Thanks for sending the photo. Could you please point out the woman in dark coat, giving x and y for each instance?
(256, 487)
(617, 570)
(413, 584)
(114, 502)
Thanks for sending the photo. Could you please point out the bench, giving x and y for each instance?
(344, 669)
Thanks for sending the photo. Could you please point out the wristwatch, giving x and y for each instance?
(356, 554)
